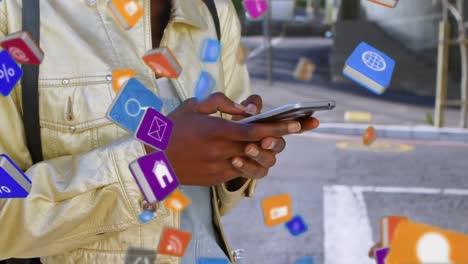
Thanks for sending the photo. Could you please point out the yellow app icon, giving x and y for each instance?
(177, 201)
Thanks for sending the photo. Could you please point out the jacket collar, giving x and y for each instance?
(188, 12)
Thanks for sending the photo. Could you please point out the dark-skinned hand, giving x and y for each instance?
(202, 147)
(259, 157)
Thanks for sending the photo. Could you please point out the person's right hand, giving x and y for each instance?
(201, 146)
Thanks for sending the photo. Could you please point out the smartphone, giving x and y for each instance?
(290, 112)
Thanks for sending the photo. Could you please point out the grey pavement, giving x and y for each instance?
(392, 108)
(313, 160)
(418, 176)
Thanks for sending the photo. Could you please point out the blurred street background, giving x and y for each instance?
(417, 166)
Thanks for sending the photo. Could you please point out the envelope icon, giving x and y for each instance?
(157, 129)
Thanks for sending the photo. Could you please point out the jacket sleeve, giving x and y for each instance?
(74, 200)
(237, 87)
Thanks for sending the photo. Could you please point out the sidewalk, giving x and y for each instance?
(391, 119)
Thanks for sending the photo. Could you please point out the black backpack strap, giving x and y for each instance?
(30, 83)
(30, 97)
(214, 13)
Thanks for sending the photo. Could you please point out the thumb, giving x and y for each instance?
(219, 102)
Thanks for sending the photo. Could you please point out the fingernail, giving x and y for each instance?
(237, 163)
(239, 106)
(315, 123)
(253, 152)
(272, 145)
(294, 127)
(251, 109)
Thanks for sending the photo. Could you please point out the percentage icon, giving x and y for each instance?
(6, 72)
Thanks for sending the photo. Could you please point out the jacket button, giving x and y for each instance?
(109, 77)
(72, 129)
(65, 81)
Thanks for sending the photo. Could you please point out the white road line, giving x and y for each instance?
(348, 233)
(255, 52)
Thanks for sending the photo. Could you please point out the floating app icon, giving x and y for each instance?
(177, 201)
(13, 182)
(140, 256)
(120, 76)
(10, 73)
(369, 136)
(277, 209)
(418, 243)
(174, 242)
(381, 255)
(242, 54)
(126, 12)
(163, 62)
(304, 70)
(154, 176)
(296, 226)
(130, 104)
(305, 260)
(370, 67)
(255, 8)
(210, 50)
(146, 216)
(205, 86)
(212, 261)
(388, 225)
(23, 48)
(155, 129)
(387, 3)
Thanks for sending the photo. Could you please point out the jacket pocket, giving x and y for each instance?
(73, 115)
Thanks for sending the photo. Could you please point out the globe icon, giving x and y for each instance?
(374, 61)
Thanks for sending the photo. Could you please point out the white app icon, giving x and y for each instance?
(133, 104)
(157, 129)
(374, 61)
(176, 204)
(161, 171)
(131, 8)
(278, 212)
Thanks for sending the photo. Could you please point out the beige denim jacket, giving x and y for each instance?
(84, 203)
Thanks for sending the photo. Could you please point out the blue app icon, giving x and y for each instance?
(370, 67)
(13, 182)
(212, 261)
(146, 216)
(206, 84)
(10, 73)
(305, 260)
(296, 226)
(210, 50)
(130, 105)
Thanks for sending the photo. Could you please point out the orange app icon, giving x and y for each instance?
(174, 242)
(419, 243)
(177, 201)
(120, 76)
(277, 209)
(369, 136)
(163, 62)
(126, 12)
(388, 225)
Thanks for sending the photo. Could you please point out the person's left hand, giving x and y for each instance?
(261, 156)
